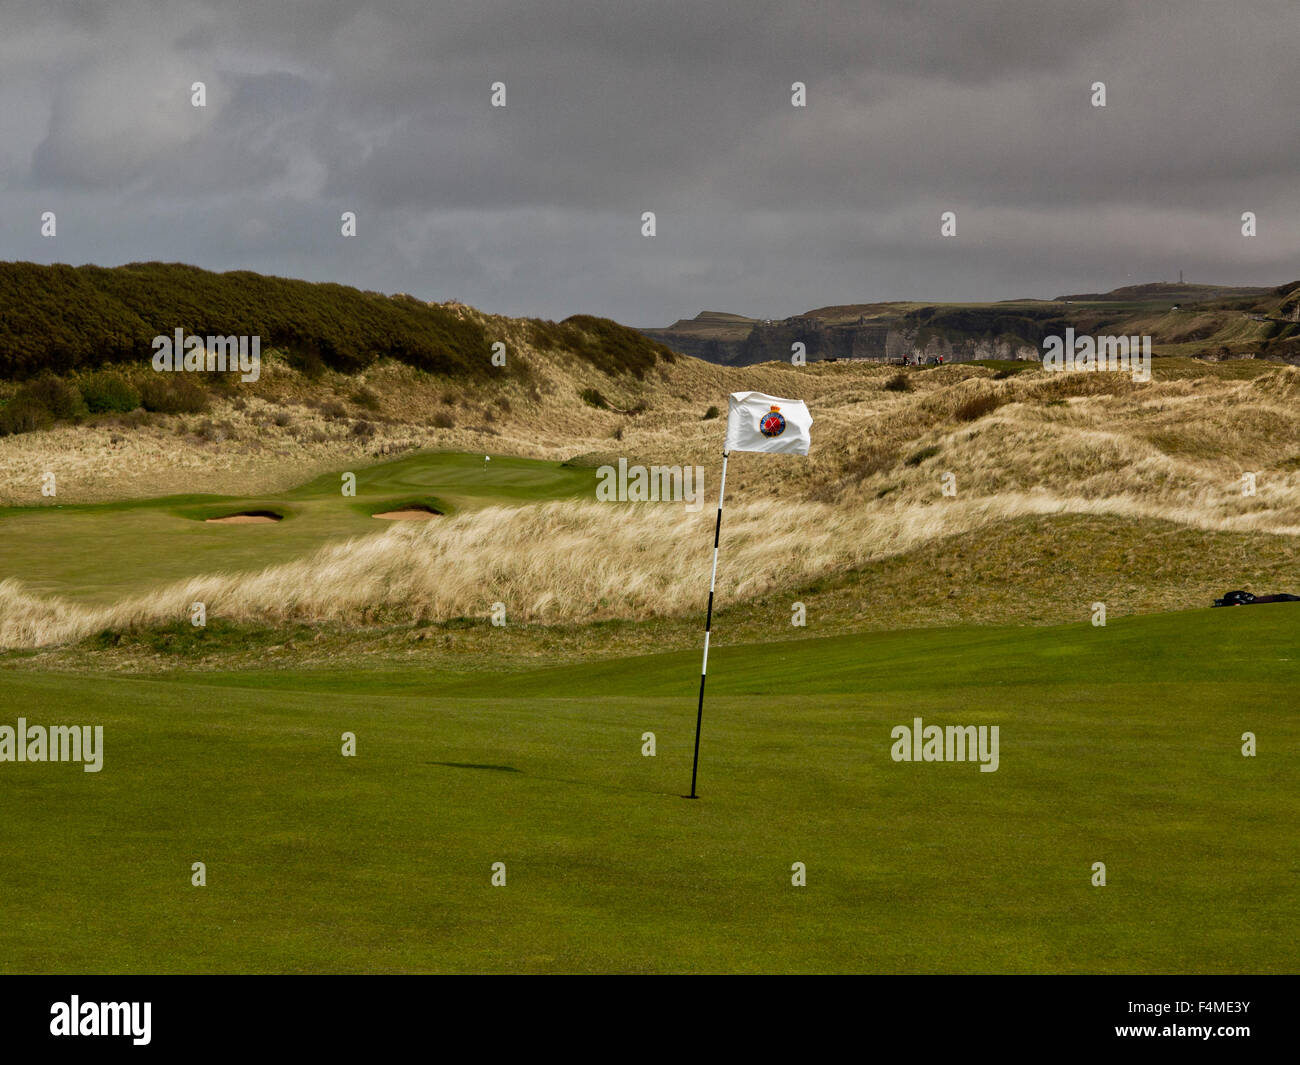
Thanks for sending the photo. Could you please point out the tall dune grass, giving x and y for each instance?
(570, 562)
(1171, 451)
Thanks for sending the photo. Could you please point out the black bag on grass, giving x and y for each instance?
(1240, 598)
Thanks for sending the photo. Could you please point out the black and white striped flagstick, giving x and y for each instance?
(708, 623)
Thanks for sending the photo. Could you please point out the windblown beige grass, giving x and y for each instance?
(570, 562)
(1170, 450)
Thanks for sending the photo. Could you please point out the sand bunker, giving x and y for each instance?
(408, 514)
(252, 517)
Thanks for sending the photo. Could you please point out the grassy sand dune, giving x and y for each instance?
(1173, 450)
(539, 563)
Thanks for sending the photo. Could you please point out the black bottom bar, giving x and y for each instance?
(991, 1015)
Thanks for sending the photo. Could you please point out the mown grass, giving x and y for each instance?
(1118, 744)
(96, 553)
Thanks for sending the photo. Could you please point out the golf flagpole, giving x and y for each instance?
(755, 422)
(708, 623)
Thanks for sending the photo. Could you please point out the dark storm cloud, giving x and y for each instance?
(682, 109)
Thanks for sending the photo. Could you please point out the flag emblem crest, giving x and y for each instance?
(772, 424)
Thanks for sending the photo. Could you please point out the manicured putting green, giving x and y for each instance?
(1119, 745)
(103, 552)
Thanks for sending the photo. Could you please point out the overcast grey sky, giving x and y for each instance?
(684, 109)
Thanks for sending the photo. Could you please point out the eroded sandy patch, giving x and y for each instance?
(244, 519)
(408, 514)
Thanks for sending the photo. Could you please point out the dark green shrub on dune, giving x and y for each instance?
(109, 392)
(173, 394)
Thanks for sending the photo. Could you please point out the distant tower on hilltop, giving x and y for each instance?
(1180, 277)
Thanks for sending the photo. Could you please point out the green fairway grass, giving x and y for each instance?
(62, 550)
(1119, 744)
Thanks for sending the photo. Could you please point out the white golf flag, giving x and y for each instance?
(756, 422)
